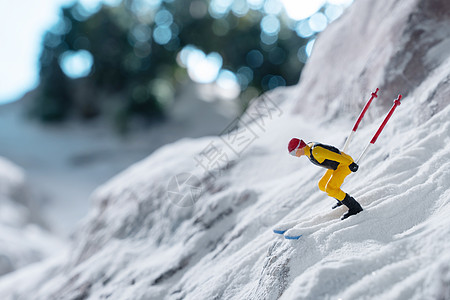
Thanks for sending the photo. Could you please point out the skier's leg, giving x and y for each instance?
(323, 184)
(333, 187)
(324, 180)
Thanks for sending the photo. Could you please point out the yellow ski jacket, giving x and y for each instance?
(326, 156)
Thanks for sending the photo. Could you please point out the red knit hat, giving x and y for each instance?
(295, 144)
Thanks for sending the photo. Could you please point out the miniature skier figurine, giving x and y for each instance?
(339, 165)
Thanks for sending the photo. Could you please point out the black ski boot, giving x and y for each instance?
(338, 203)
(353, 206)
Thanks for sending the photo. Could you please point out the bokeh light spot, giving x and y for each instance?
(270, 82)
(340, 2)
(255, 4)
(301, 9)
(318, 22)
(309, 47)
(244, 76)
(240, 8)
(301, 54)
(255, 58)
(268, 39)
(198, 9)
(276, 81)
(228, 81)
(162, 35)
(270, 25)
(273, 7)
(141, 33)
(333, 12)
(112, 2)
(219, 8)
(163, 18)
(76, 64)
(63, 26)
(144, 7)
(303, 30)
(183, 55)
(203, 68)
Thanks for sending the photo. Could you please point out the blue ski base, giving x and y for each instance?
(296, 237)
(288, 237)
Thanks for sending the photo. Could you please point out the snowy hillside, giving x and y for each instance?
(146, 239)
(23, 240)
(393, 45)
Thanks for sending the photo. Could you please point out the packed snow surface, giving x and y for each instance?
(147, 238)
(137, 244)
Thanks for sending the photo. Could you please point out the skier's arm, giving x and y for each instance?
(320, 154)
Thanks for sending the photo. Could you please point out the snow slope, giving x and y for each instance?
(393, 45)
(141, 240)
(23, 239)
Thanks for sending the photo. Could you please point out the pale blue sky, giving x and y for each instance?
(22, 25)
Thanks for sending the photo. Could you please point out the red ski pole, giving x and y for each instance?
(375, 137)
(361, 115)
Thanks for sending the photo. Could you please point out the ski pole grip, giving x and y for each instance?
(374, 94)
(363, 112)
(397, 101)
(375, 137)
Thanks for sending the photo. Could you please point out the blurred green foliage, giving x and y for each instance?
(135, 73)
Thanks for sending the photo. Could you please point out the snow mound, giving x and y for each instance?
(194, 220)
(22, 238)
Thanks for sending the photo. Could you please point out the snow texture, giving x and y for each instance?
(142, 241)
(393, 45)
(23, 240)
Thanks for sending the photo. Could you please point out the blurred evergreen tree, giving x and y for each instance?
(130, 57)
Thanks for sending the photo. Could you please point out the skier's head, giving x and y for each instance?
(295, 147)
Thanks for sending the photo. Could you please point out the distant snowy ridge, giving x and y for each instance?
(136, 243)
